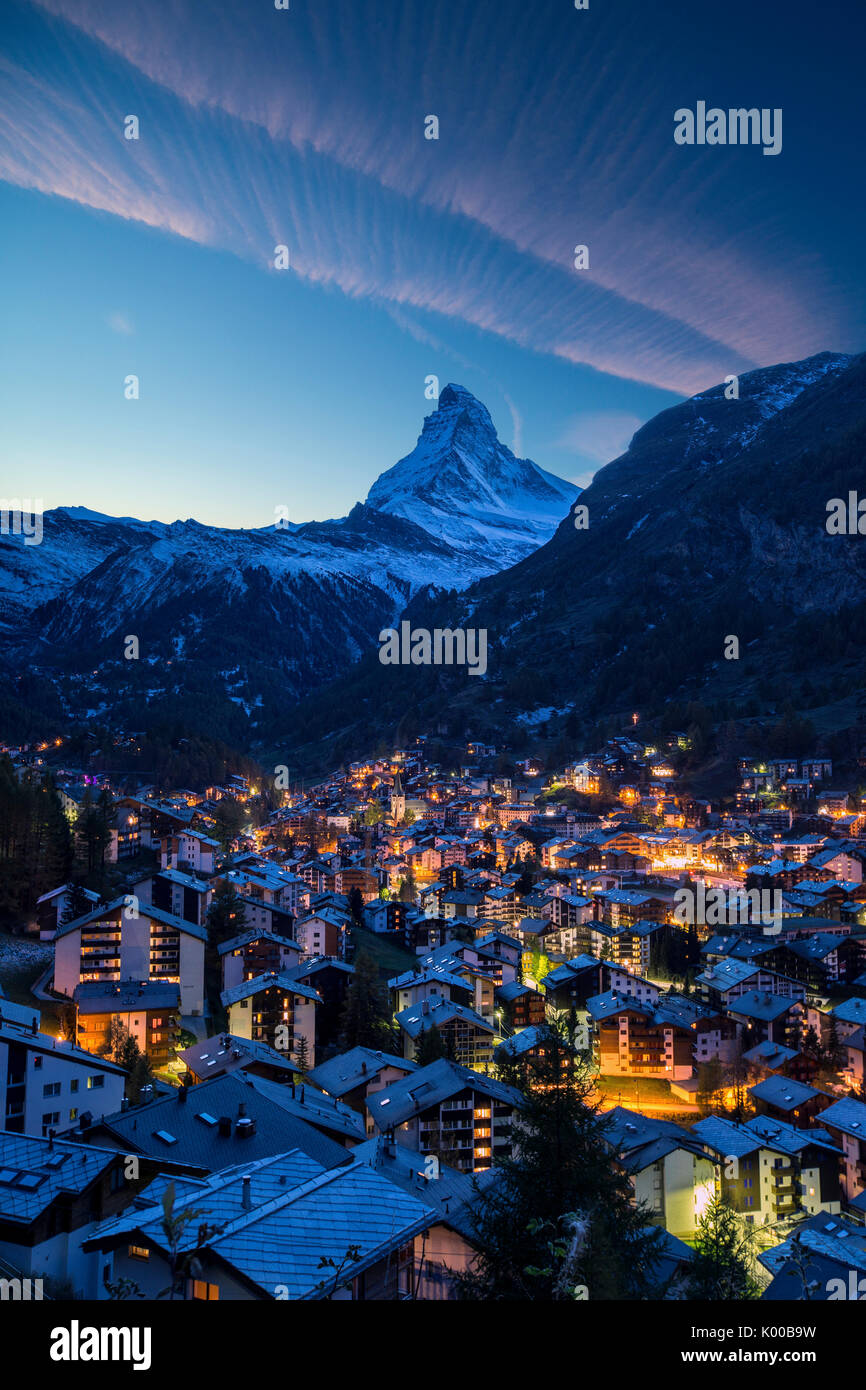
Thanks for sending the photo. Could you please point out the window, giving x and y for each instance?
(73, 1114)
(73, 1085)
(138, 1252)
(51, 1089)
(51, 1117)
(94, 1083)
(37, 1063)
(203, 1291)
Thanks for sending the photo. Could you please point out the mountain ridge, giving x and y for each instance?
(295, 604)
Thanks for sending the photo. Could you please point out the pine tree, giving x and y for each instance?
(356, 906)
(302, 1055)
(77, 904)
(432, 1045)
(366, 1019)
(227, 913)
(559, 1207)
(722, 1262)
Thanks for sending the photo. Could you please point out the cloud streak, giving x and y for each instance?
(305, 127)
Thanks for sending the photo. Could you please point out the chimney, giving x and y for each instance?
(51, 1141)
(34, 1026)
(181, 1094)
(225, 1126)
(246, 1194)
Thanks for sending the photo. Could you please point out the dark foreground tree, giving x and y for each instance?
(366, 1019)
(556, 1221)
(722, 1262)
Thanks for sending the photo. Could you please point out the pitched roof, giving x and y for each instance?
(297, 1215)
(641, 1139)
(228, 1052)
(431, 1085)
(35, 1171)
(154, 914)
(280, 979)
(192, 1126)
(782, 1092)
(245, 938)
(848, 1115)
(351, 1069)
(435, 1012)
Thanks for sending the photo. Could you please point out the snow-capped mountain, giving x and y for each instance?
(304, 601)
(712, 524)
(462, 484)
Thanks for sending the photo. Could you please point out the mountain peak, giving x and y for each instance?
(454, 399)
(461, 483)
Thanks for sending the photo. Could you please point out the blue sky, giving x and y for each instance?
(409, 257)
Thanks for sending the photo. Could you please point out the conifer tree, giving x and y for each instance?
(366, 1019)
(558, 1215)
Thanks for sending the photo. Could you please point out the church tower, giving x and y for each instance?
(398, 800)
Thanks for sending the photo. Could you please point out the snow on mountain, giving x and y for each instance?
(308, 597)
(462, 484)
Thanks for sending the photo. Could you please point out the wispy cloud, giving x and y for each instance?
(305, 127)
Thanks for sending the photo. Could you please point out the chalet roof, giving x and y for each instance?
(428, 1087)
(280, 1217)
(271, 979)
(351, 1069)
(154, 914)
(33, 1172)
(186, 1131)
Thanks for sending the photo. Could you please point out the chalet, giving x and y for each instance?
(52, 907)
(671, 1172)
(768, 1017)
(769, 1170)
(127, 940)
(226, 1053)
(780, 1098)
(149, 1010)
(354, 1076)
(276, 1009)
(572, 983)
(633, 1039)
(468, 1037)
(521, 1006)
(191, 851)
(177, 893)
(48, 1083)
(278, 1229)
(464, 1118)
(52, 1195)
(409, 989)
(256, 952)
(845, 1121)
